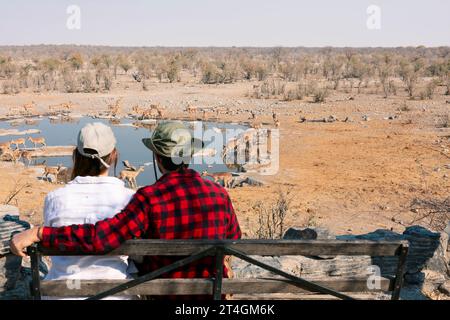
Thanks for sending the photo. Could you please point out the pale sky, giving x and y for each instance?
(227, 23)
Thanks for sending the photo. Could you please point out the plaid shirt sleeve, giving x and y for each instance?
(105, 235)
(233, 230)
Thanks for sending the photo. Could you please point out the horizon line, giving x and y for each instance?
(220, 47)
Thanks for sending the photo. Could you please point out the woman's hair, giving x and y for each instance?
(84, 166)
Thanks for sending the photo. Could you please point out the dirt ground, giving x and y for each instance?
(351, 177)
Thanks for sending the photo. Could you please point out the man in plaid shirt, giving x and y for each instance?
(180, 205)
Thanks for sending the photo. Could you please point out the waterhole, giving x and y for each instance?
(129, 144)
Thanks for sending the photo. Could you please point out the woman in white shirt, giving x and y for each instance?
(91, 196)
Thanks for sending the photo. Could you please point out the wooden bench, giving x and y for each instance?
(193, 250)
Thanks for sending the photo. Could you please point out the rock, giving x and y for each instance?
(7, 209)
(434, 277)
(306, 267)
(445, 287)
(427, 249)
(14, 281)
(415, 278)
(425, 268)
(447, 230)
(307, 234)
(9, 273)
(7, 228)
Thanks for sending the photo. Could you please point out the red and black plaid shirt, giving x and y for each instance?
(180, 205)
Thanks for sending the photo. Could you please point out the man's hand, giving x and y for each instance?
(25, 239)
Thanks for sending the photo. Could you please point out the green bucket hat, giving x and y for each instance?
(172, 139)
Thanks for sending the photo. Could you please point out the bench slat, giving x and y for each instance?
(253, 247)
(204, 286)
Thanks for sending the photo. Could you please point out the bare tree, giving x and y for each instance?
(409, 72)
(435, 213)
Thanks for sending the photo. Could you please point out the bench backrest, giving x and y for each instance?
(243, 249)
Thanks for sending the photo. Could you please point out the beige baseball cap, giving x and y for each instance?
(98, 137)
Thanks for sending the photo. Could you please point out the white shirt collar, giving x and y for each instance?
(97, 180)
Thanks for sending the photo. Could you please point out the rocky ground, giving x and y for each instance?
(351, 177)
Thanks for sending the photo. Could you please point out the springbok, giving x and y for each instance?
(14, 111)
(225, 177)
(52, 170)
(10, 155)
(36, 141)
(18, 142)
(191, 109)
(256, 125)
(160, 113)
(5, 145)
(137, 110)
(274, 116)
(54, 108)
(67, 106)
(29, 108)
(130, 176)
(114, 109)
(26, 155)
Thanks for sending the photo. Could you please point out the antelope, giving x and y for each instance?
(54, 108)
(191, 109)
(66, 106)
(5, 145)
(253, 115)
(248, 136)
(232, 143)
(13, 154)
(18, 142)
(26, 155)
(114, 109)
(13, 111)
(130, 176)
(220, 110)
(29, 122)
(36, 141)
(128, 165)
(155, 107)
(277, 123)
(256, 125)
(64, 175)
(160, 113)
(225, 177)
(147, 114)
(52, 170)
(137, 110)
(29, 108)
(274, 116)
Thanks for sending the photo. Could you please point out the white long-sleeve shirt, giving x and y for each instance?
(86, 200)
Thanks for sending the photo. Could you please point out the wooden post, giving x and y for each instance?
(400, 271)
(36, 280)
